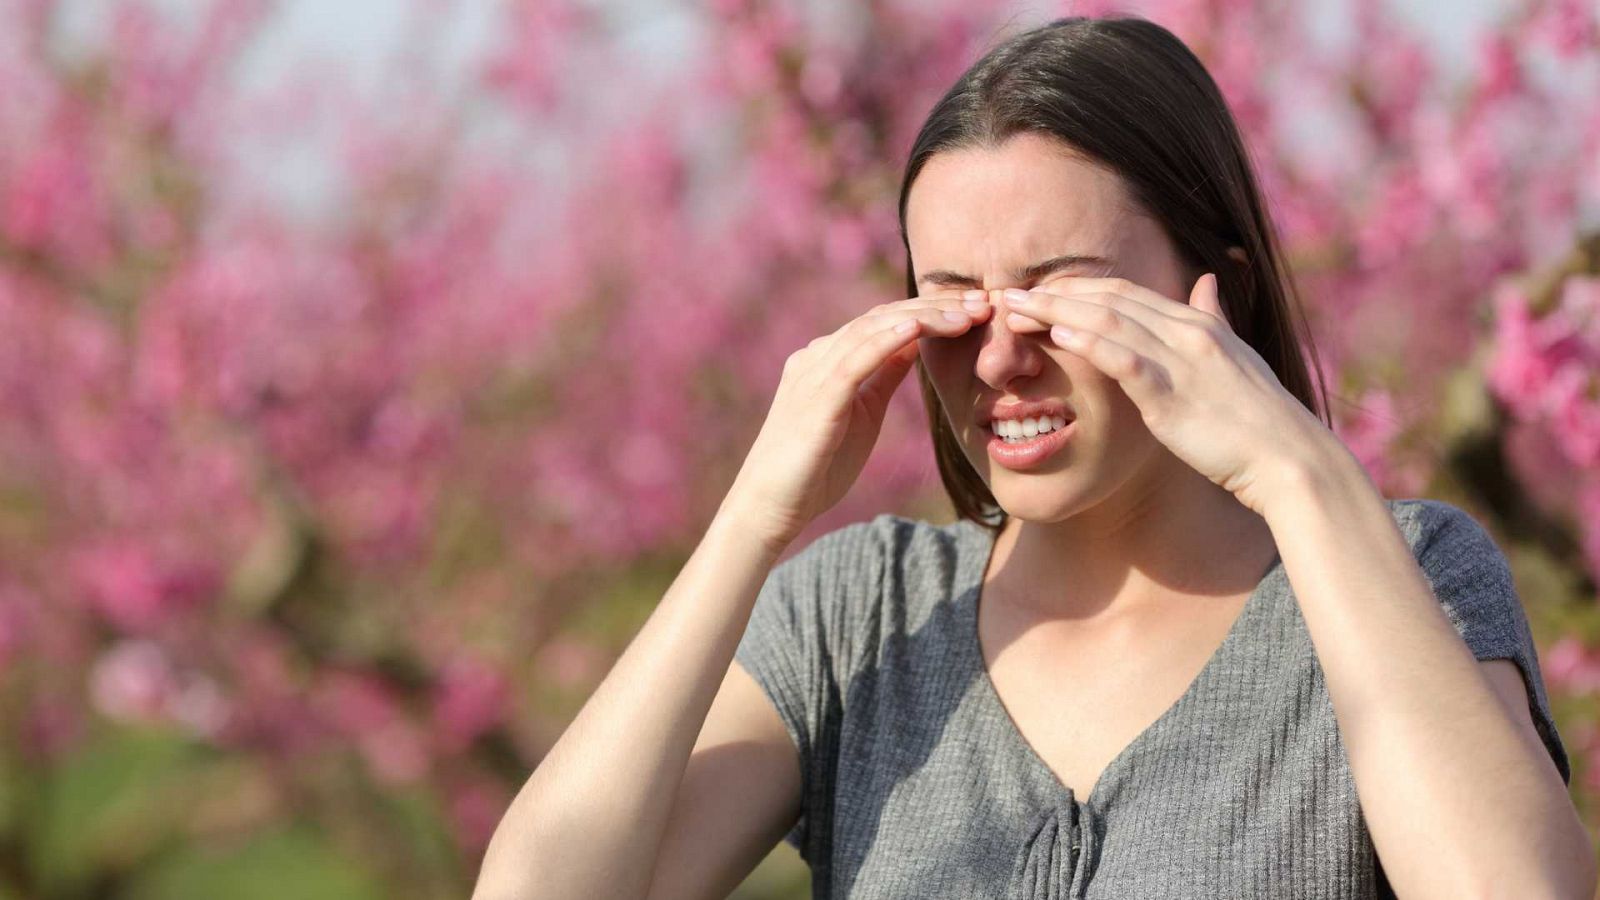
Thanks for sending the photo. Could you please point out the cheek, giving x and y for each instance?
(948, 369)
(1124, 421)
(939, 356)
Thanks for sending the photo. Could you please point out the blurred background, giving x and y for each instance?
(368, 370)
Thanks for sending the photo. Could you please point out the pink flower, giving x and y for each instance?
(476, 808)
(396, 752)
(133, 681)
(1589, 522)
(569, 662)
(1518, 370)
(17, 605)
(137, 588)
(1370, 434)
(1569, 665)
(469, 700)
(355, 703)
(543, 36)
(1569, 26)
(1591, 771)
(200, 707)
(1499, 68)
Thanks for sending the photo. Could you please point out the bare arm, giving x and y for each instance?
(739, 797)
(1460, 795)
(590, 820)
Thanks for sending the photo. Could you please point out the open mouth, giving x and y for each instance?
(1021, 431)
(1027, 452)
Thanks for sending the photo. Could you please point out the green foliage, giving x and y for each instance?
(127, 814)
(104, 808)
(288, 862)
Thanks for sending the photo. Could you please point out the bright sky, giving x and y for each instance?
(362, 31)
(357, 38)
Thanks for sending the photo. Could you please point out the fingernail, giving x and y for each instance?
(1017, 296)
(975, 304)
(975, 295)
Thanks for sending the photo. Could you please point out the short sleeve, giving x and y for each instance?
(801, 647)
(1472, 581)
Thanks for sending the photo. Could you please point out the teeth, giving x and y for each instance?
(1017, 430)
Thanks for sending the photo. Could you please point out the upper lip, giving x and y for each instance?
(1023, 409)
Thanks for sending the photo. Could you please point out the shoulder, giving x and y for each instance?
(845, 554)
(1468, 572)
(1444, 536)
(886, 573)
(1422, 518)
(1472, 580)
(887, 542)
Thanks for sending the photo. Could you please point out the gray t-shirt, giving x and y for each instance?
(916, 783)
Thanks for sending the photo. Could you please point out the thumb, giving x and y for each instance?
(880, 386)
(1204, 296)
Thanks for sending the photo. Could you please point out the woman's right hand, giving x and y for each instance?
(829, 408)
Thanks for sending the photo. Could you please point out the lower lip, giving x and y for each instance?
(1027, 454)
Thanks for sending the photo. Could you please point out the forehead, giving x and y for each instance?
(1030, 198)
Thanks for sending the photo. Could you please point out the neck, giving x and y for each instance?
(1142, 549)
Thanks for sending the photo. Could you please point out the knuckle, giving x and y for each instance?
(1205, 339)
(1106, 320)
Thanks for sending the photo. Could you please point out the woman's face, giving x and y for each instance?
(978, 218)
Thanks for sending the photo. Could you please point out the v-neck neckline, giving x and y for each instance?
(977, 564)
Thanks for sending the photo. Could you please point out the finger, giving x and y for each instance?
(873, 337)
(851, 332)
(879, 387)
(1104, 319)
(876, 366)
(1166, 327)
(973, 302)
(1155, 301)
(1142, 378)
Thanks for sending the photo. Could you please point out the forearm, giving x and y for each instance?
(590, 819)
(1456, 796)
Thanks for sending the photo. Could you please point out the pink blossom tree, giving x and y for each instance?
(314, 532)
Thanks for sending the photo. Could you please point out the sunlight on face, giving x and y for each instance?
(981, 219)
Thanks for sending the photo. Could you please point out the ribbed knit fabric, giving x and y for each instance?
(916, 783)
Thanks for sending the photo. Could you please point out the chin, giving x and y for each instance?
(1036, 503)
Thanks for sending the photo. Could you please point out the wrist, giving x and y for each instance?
(1328, 469)
(746, 522)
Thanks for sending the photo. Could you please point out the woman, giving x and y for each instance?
(1175, 645)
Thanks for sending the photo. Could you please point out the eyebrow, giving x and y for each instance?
(1028, 273)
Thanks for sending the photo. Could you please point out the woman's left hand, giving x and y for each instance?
(1203, 392)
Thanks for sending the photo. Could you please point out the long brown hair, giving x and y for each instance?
(1127, 93)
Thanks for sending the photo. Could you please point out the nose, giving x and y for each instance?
(1007, 355)
(997, 299)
